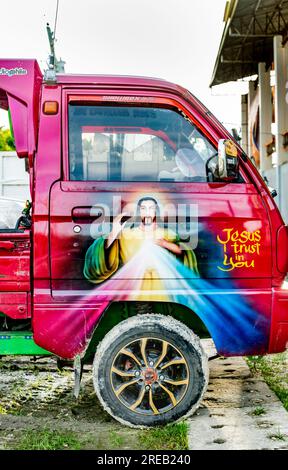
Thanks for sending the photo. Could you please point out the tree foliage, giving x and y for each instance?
(6, 140)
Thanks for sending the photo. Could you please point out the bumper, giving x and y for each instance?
(279, 320)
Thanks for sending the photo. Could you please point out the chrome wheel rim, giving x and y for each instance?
(149, 376)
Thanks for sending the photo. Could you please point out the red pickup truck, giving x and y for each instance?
(149, 230)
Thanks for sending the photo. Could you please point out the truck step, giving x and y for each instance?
(20, 342)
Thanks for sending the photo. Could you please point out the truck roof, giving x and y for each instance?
(27, 71)
(99, 79)
(129, 81)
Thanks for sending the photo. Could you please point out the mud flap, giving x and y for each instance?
(78, 369)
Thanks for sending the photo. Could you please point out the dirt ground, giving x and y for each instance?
(238, 410)
(36, 395)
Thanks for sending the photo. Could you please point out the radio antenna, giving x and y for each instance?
(55, 66)
(56, 17)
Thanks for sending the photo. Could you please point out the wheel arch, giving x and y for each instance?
(119, 311)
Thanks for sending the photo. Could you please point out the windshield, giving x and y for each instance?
(115, 143)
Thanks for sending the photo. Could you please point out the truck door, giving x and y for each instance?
(136, 218)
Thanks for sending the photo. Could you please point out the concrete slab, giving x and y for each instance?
(239, 411)
(238, 429)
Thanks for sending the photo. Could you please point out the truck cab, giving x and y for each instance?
(149, 230)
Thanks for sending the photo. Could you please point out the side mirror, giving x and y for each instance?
(272, 191)
(228, 162)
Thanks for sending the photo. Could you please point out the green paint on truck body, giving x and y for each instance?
(13, 343)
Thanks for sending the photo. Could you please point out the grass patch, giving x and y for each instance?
(3, 411)
(48, 440)
(11, 407)
(116, 440)
(259, 411)
(277, 436)
(171, 437)
(274, 370)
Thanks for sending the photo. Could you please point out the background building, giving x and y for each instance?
(254, 46)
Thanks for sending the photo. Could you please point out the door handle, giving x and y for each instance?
(6, 245)
(86, 214)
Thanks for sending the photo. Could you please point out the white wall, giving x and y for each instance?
(272, 178)
(14, 180)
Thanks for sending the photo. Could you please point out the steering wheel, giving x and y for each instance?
(207, 164)
(24, 220)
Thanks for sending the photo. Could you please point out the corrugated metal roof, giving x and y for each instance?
(248, 37)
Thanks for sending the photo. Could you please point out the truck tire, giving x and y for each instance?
(150, 370)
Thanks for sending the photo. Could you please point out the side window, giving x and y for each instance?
(110, 143)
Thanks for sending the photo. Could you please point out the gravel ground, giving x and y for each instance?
(36, 395)
(239, 411)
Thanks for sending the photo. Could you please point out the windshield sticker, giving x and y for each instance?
(128, 99)
(12, 72)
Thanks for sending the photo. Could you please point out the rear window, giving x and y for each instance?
(118, 143)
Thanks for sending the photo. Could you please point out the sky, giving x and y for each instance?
(174, 40)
